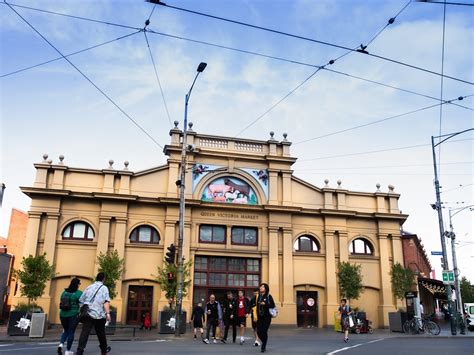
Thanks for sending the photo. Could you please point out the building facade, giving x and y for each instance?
(248, 220)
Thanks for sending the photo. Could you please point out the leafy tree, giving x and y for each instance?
(35, 272)
(467, 295)
(170, 286)
(402, 280)
(350, 280)
(112, 266)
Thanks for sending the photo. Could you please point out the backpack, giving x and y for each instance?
(65, 303)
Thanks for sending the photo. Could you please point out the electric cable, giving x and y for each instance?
(308, 39)
(158, 79)
(385, 166)
(87, 78)
(441, 87)
(69, 55)
(378, 121)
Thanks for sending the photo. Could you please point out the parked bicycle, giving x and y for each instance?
(419, 325)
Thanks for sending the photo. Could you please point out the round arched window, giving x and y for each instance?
(306, 243)
(361, 246)
(145, 234)
(78, 230)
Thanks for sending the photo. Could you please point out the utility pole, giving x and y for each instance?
(438, 208)
(182, 205)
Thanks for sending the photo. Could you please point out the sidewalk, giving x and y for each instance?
(53, 334)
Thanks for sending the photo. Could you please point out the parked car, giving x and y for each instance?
(469, 308)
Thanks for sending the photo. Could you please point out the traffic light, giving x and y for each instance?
(171, 254)
(170, 277)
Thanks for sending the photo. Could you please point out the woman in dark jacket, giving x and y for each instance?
(264, 303)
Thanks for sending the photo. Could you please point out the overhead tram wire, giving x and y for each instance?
(387, 166)
(157, 77)
(86, 77)
(208, 44)
(70, 54)
(330, 62)
(379, 121)
(444, 2)
(308, 39)
(377, 151)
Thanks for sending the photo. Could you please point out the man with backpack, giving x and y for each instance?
(95, 312)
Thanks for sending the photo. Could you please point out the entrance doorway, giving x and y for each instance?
(140, 302)
(307, 308)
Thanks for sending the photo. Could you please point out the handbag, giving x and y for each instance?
(84, 310)
(273, 311)
(351, 322)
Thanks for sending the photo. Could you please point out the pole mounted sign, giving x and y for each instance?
(448, 277)
(440, 253)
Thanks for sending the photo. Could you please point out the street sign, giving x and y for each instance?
(448, 276)
(440, 253)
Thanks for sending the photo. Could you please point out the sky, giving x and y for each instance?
(53, 109)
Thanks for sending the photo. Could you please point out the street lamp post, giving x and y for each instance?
(182, 204)
(438, 208)
(457, 283)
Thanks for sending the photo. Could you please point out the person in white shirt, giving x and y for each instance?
(422, 310)
(96, 296)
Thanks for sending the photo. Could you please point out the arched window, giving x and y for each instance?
(361, 246)
(78, 230)
(306, 243)
(145, 234)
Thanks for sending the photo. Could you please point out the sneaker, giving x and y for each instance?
(242, 341)
(60, 348)
(215, 341)
(205, 341)
(223, 341)
(346, 340)
(68, 352)
(256, 343)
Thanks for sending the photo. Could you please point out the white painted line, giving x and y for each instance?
(155, 341)
(352, 347)
(5, 344)
(23, 349)
(50, 343)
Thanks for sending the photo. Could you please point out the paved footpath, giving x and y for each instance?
(283, 340)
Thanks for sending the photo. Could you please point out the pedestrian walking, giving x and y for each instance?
(345, 312)
(69, 309)
(265, 302)
(197, 317)
(213, 312)
(243, 310)
(96, 297)
(254, 317)
(230, 317)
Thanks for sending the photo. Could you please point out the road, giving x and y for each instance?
(280, 345)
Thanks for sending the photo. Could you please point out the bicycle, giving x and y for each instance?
(419, 325)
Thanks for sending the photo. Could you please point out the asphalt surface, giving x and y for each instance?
(303, 343)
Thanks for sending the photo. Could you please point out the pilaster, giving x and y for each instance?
(273, 264)
(331, 284)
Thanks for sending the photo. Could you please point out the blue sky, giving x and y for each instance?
(53, 109)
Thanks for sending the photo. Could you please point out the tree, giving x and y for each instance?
(169, 284)
(402, 280)
(350, 280)
(467, 295)
(35, 272)
(112, 266)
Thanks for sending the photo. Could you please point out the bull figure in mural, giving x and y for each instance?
(243, 189)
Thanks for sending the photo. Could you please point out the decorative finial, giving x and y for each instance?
(339, 182)
(326, 182)
(284, 136)
(176, 123)
(111, 164)
(272, 134)
(61, 158)
(125, 163)
(378, 187)
(50, 161)
(45, 158)
(391, 188)
(190, 125)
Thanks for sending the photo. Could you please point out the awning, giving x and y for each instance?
(436, 287)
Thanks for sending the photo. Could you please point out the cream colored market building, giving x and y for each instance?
(248, 219)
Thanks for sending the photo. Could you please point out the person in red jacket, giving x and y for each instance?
(243, 310)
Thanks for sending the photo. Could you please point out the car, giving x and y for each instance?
(469, 308)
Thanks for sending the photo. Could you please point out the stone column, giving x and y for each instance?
(331, 283)
(49, 248)
(289, 305)
(273, 264)
(287, 197)
(169, 238)
(102, 238)
(119, 245)
(386, 297)
(32, 234)
(273, 187)
(343, 247)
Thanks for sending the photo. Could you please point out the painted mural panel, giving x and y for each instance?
(229, 190)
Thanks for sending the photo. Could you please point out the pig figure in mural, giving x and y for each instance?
(215, 189)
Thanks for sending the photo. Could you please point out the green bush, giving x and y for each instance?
(113, 267)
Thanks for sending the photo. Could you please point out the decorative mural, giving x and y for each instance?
(261, 176)
(229, 190)
(200, 170)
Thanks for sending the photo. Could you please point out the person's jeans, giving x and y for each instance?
(262, 330)
(69, 325)
(99, 325)
(211, 323)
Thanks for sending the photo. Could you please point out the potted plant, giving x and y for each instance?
(113, 267)
(35, 272)
(167, 279)
(402, 282)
